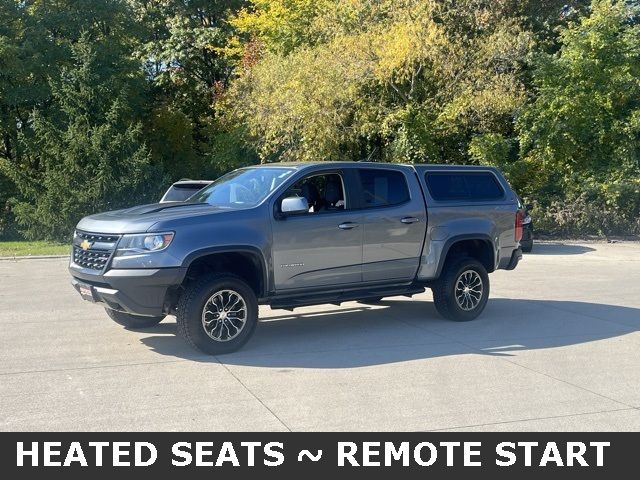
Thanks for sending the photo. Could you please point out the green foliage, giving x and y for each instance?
(22, 248)
(104, 102)
(182, 46)
(584, 215)
(7, 224)
(89, 156)
(45, 82)
(582, 132)
(280, 25)
(386, 80)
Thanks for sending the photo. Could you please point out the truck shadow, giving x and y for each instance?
(404, 330)
(559, 249)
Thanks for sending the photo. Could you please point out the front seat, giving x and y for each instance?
(310, 192)
(333, 195)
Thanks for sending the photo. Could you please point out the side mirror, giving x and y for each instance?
(294, 205)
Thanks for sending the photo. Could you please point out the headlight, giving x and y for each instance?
(143, 243)
(526, 220)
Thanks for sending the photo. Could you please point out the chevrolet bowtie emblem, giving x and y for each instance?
(85, 245)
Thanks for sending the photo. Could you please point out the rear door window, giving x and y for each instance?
(383, 188)
(469, 186)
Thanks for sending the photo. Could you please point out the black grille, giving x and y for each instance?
(97, 237)
(95, 259)
(97, 252)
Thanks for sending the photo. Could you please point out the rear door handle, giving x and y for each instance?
(409, 220)
(347, 225)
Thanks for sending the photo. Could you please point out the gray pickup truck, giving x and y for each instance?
(288, 235)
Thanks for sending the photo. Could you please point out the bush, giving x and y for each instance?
(582, 216)
(7, 223)
(581, 132)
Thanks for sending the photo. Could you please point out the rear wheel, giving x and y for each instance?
(217, 314)
(462, 291)
(133, 321)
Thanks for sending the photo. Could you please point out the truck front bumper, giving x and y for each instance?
(136, 291)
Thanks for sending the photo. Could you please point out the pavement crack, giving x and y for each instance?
(92, 367)
(253, 395)
(506, 422)
(565, 382)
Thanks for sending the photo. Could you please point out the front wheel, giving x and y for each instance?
(133, 321)
(462, 291)
(217, 314)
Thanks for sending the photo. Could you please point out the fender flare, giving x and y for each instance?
(254, 251)
(457, 238)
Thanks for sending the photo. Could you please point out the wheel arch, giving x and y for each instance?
(478, 246)
(245, 261)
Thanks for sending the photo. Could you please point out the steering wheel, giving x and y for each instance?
(243, 194)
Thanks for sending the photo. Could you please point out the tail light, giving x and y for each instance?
(518, 229)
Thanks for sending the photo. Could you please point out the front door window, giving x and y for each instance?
(324, 192)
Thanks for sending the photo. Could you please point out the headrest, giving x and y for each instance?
(333, 192)
(310, 192)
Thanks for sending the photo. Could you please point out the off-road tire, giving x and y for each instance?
(444, 295)
(190, 312)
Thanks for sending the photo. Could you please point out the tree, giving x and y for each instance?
(281, 25)
(581, 134)
(407, 80)
(158, 70)
(89, 156)
(182, 45)
(39, 51)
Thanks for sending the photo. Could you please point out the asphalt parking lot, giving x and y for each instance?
(557, 348)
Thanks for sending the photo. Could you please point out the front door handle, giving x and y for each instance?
(409, 220)
(347, 225)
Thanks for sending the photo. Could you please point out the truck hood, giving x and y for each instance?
(141, 218)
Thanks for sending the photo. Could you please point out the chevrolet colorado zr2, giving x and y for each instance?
(288, 235)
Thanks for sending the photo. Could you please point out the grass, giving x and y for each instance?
(25, 249)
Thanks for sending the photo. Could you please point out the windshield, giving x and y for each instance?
(243, 188)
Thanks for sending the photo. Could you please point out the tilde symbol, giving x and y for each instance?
(308, 454)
